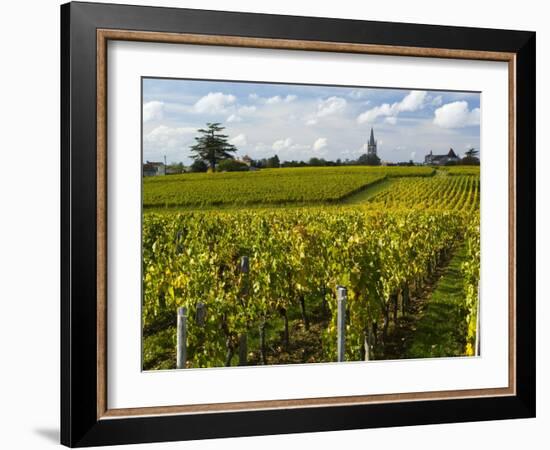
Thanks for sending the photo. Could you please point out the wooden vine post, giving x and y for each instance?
(181, 352)
(243, 338)
(342, 295)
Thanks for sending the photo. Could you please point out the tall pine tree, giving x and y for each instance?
(212, 146)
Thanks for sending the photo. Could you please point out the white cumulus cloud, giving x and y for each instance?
(319, 144)
(247, 109)
(327, 107)
(372, 114)
(282, 144)
(234, 118)
(241, 111)
(238, 140)
(413, 101)
(456, 115)
(278, 99)
(153, 111)
(437, 101)
(214, 102)
(331, 105)
(163, 138)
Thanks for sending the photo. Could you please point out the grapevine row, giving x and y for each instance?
(266, 187)
(297, 258)
(459, 193)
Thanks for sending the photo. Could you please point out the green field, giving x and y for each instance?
(461, 170)
(460, 193)
(385, 233)
(267, 186)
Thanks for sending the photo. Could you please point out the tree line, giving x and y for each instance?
(212, 151)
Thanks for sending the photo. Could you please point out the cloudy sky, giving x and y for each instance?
(298, 122)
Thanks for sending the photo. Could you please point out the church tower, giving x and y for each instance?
(371, 145)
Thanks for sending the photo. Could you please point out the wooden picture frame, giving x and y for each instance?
(86, 418)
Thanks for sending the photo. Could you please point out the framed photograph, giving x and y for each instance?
(276, 224)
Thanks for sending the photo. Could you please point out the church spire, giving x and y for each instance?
(371, 140)
(371, 144)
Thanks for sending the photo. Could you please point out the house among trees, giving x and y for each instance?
(441, 160)
(174, 168)
(247, 160)
(249, 163)
(152, 169)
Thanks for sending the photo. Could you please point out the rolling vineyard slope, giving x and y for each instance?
(461, 170)
(382, 251)
(268, 186)
(448, 193)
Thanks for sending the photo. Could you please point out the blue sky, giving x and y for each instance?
(298, 122)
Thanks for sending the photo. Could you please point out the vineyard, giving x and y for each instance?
(268, 186)
(259, 285)
(457, 193)
(461, 170)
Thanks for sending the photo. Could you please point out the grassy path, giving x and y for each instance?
(442, 328)
(436, 324)
(366, 194)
